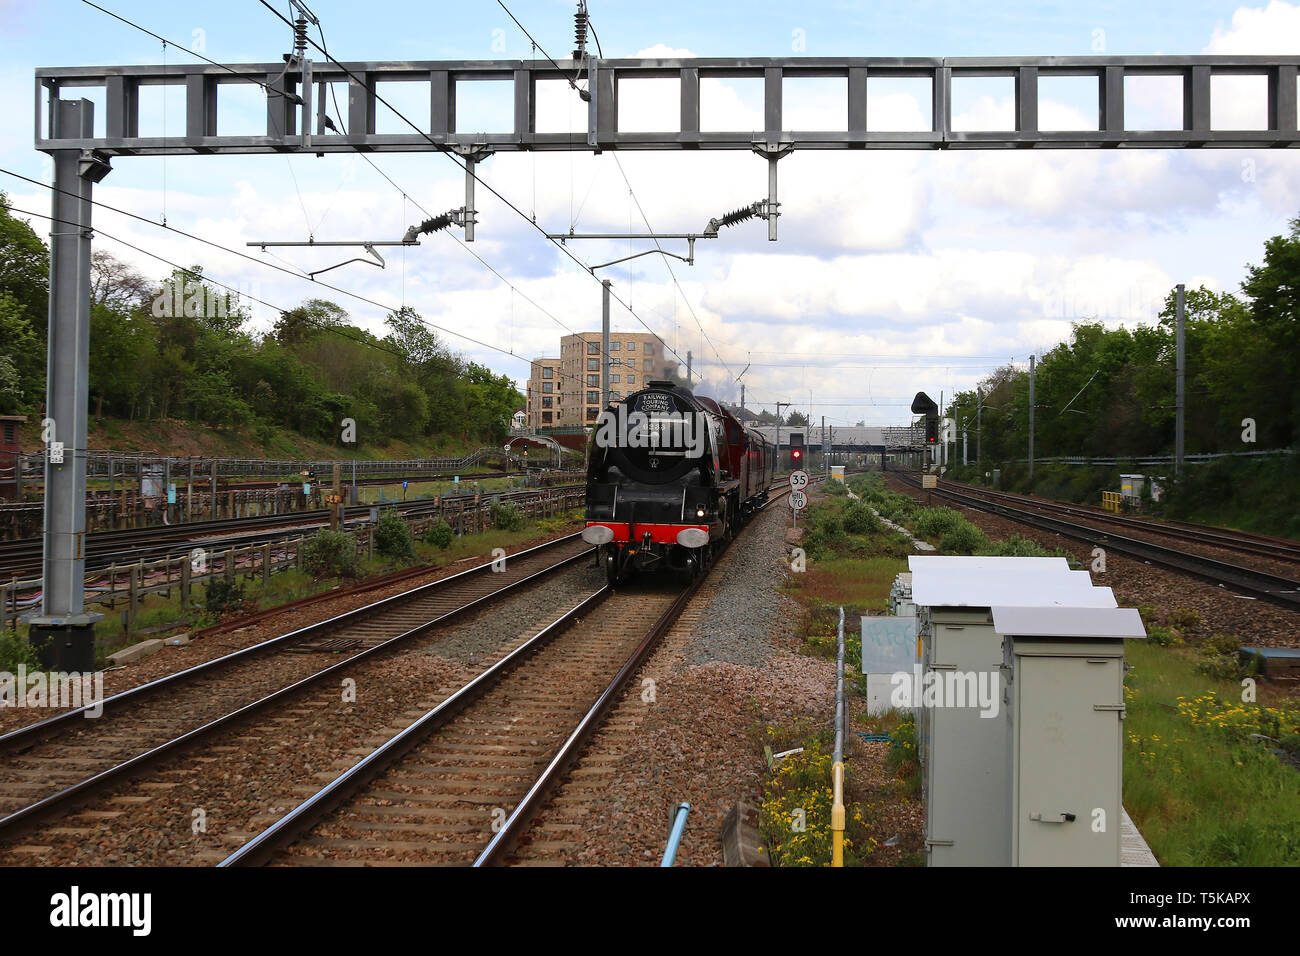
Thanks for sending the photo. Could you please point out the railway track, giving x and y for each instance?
(67, 758)
(1276, 588)
(23, 557)
(456, 786)
(1268, 546)
(58, 768)
(460, 785)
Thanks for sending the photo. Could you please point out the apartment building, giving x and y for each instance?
(543, 405)
(573, 396)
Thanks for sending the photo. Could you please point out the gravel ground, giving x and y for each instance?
(479, 640)
(747, 614)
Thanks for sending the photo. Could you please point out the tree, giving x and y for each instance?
(24, 268)
(796, 418)
(116, 285)
(24, 356)
(121, 352)
(307, 319)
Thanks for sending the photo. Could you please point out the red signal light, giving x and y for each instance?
(796, 454)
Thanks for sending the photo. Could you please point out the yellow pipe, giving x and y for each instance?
(837, 815)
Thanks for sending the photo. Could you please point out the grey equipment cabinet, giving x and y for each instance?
(962, 742)
(1064, 673)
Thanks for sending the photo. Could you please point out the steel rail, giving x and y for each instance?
(504, 840)
(262, 848)
(1272, 587)
(1220, 538)
(29, 814)
(30, 731)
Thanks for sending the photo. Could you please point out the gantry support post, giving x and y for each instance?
(471, 156)
(63, 630)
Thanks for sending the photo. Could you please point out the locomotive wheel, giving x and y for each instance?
(610, 560)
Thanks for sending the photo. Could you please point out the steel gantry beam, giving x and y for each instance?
(290, 94)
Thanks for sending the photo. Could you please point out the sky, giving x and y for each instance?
(895, 272)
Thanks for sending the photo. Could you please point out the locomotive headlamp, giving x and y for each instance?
(699, 512)
(692, 537)
(597, 534)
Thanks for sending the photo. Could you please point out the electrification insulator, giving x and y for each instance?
(434, 225)
(580, 31)
(300, 37)
(738, 215)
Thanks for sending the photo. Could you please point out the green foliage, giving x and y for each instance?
(1220, 667)
(963, 538)
(222, 596)
(180, 348)
(1107, 393)
(1223, 644)
(1184, 618)
(393, 537)
(15, 651)
(1016, 547)
(506, 517)
(836, 488)
(330, 554)
(440, 535)
(1164, 636)
(795, 818)
(902, 758)
(824, 534)
(860, 519)
(935, 522)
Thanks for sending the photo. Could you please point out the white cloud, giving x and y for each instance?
(662, 51)
(1274, 29)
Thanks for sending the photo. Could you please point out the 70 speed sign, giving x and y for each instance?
(799, 480)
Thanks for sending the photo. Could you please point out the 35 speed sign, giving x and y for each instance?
(799, 480)
(798, 500)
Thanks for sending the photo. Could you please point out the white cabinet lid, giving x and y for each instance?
(918, 562)
(989, 587)
(1067, 622)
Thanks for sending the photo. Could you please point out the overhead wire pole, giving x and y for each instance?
(1180, 384)
(1031, 421)
(63, 631)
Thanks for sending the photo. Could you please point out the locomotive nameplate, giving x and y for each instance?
(656, 403)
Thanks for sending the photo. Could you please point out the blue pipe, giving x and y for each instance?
(675, 836)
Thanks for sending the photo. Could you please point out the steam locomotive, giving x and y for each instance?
(670, 477)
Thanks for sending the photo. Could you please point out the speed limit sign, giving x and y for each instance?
(798, 480)
(798, 500)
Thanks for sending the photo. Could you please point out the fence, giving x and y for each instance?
(130, 508)
(128, 584)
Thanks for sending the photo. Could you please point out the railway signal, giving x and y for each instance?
(796, 448)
